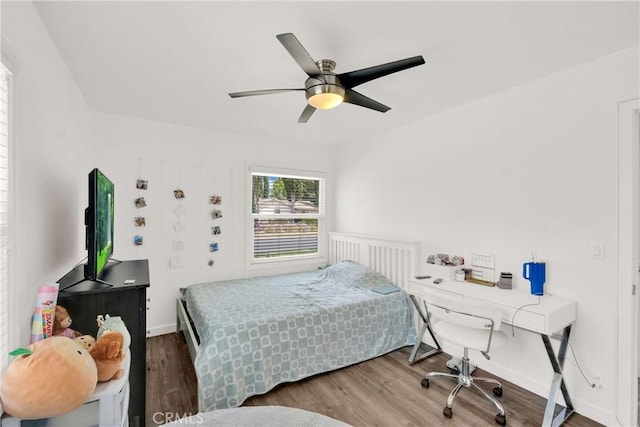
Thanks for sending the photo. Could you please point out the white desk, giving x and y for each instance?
(552, 315)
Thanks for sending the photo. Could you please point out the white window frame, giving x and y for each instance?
(321, 216)
(6, 270)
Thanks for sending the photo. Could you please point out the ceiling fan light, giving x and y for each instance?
(325, 101)
(325, 97)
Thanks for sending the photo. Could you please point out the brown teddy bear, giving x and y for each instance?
(108, 353)
(62, 324)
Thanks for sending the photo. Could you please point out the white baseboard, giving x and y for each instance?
(161, 330)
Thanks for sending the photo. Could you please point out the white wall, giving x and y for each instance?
(52, 136)
(201, 163)
(532, 169)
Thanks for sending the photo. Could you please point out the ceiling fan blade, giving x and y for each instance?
(260, 92)
(306, 114)
(357, 77)
(356, 98)
(300, 55)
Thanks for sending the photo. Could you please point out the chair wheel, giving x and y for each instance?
(447, 412)
(501, 419)
(425, 382)
(497, 391)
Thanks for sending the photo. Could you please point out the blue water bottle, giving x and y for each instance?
(535, 272)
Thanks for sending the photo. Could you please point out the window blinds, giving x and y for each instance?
(4, 214)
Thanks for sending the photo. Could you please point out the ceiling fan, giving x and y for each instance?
(325, 89)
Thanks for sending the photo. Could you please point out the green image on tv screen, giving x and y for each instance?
(104, 221)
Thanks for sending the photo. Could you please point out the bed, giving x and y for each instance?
(248, 335)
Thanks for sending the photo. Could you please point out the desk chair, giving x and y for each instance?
(471, 326)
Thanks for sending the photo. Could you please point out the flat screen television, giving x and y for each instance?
(99, 220)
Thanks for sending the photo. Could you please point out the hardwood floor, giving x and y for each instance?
(385, 391)
(171, 380)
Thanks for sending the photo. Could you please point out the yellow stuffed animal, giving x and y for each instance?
(48, 378)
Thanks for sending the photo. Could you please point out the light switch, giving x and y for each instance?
(596, 250)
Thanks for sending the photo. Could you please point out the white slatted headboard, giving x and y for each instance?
(395, 259)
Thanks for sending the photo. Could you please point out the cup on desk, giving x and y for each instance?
(460, 275)
(535, 272)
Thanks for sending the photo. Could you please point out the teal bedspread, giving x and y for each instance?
(260, 332)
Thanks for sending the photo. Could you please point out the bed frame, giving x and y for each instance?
(395, 259)
(184, 325)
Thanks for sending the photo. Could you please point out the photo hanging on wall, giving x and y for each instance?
(140, 202)
(142, 184)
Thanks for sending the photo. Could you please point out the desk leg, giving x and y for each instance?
(414, 357)
(556, 414)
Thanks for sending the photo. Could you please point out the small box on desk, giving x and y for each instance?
(446, 272)
(505, 281)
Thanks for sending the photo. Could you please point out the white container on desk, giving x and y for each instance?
(445, 272)
(106, 407)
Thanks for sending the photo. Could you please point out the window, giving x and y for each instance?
(4, 215)
(287, 212)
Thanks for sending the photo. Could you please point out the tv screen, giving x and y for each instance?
(99, 224)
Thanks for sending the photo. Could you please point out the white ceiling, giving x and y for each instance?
(176, 61)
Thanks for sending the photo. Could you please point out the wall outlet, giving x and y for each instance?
(596, 380)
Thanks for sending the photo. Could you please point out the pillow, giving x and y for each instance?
(355, 274)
